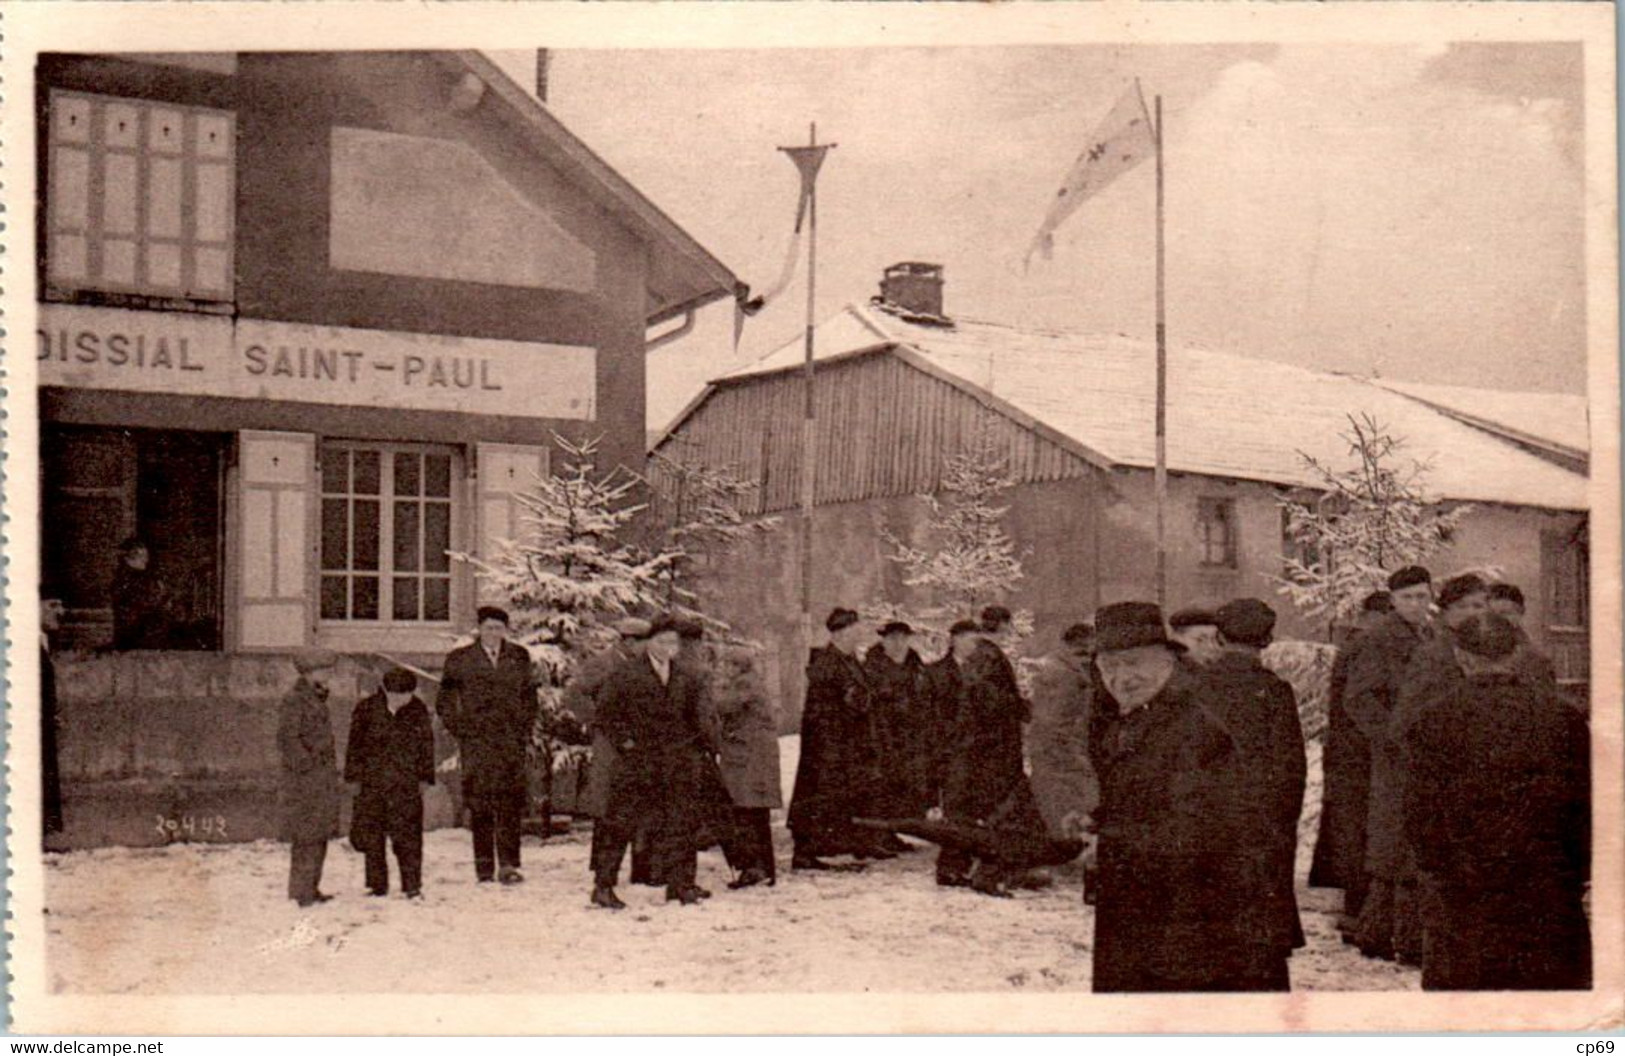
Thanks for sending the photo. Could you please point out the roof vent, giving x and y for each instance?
(913, 292)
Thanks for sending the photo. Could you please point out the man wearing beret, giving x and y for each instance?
(310, 777)
(1171, 865)
(1498, 807)
(837, 773)
(488, 702)
(1262, 712)
(1376, 671)
(390, 758)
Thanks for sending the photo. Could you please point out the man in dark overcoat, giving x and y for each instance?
(897, 688)
(488, 702)
(649, 708)
(837, 773)
(310, 789)
(1261, 711)
(986, 777)
(1376, 673)
(390, 760)
(50, 610)
(1346, 763)
(1172, 870)
(581, 698)
(1498, 807)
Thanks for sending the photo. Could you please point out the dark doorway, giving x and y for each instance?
(102, 487)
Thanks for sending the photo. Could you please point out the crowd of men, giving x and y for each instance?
(1456, 816)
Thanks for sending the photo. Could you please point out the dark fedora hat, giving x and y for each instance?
(1129, 625)
(895, 627)
(1246, 621)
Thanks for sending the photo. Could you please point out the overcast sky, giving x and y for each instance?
(1416, 212)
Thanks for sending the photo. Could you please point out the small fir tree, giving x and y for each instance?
(1364, 521)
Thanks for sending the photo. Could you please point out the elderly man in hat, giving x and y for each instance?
(649, 709)
(488, 702)
(1261, 711)
(902, 725)
(1376, 672)
(390, 760)
(310, 788)
(838, 773)
(1172, 869)
(1498, 808)
(581, 697)
(1198, 631)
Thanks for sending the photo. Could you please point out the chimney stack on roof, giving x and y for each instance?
(913, 290)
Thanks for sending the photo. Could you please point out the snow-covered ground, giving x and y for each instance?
(212, 918)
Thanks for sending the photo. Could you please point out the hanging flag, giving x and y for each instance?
(1123, 140)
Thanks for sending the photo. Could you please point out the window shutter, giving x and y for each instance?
(501, 470)
(276, 478)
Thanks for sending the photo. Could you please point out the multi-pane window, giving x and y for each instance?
(1216, 532)
(386, 530)
(139, 197)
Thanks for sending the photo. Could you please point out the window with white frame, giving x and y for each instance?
(386, 526)
(139, 197)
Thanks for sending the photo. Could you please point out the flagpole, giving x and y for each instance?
(809, 459)
(1161, 473)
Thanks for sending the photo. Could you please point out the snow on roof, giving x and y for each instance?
(1558, 418)
(1228, 415)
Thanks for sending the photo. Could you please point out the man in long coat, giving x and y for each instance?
(1261, 711)
(1498, 807)
(488, 702)
(748, 740)
(649, 708)
(838, 772)
(1170, 910)
(1058, 740)
(390, 758)
(1346, 763)
(902, 721)
(1376, 673)
(581, 698)
(310, 789)
(986, 778)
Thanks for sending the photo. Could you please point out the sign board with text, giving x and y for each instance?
(199, 355)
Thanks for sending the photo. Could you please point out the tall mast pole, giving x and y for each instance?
(809, 459)
(1161, 475)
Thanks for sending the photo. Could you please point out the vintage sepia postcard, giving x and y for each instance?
(812, 518)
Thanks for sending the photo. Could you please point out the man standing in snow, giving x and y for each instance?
(1172, 874)
(897, 688)
(488, 702)
(1340, 844)
(1498, 807)
(390, 758)
(1376, 672)
(310, 777)
(1261, 711)
(837, 773)
(1058, 740)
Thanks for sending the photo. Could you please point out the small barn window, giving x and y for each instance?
(1216, 532)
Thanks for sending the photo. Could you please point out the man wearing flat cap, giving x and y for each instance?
(488, 702)
(310, 788)
(1170, 910)
(902, 723)
(1261, 710)
(1498, 806)
(390, 760)
(1376, 670)
(837, 773)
